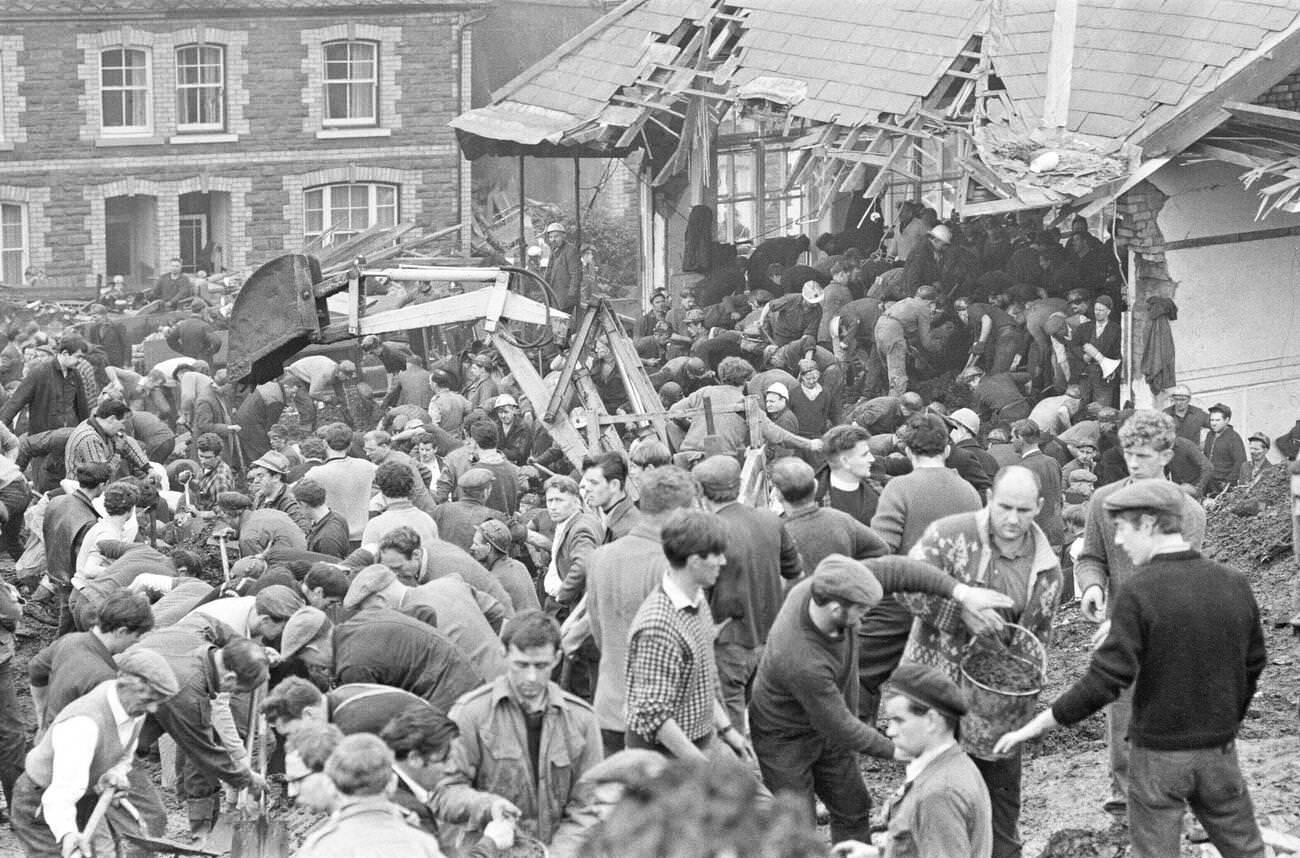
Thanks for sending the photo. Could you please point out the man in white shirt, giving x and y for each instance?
(88, 749)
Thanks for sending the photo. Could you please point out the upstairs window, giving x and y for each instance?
(201, 88)
(124, 91)
(349, 209)
(351, 83)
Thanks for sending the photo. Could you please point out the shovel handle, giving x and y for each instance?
(97, 815)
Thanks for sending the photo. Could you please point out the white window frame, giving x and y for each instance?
(326, 208)
(350, 121)
(147, 91)
(183, 90)
(24, 249)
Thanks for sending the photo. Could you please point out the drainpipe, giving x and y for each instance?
(464, 70)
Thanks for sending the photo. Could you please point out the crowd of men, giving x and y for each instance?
(459, 640)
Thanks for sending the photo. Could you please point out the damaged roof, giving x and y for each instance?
(1137, 64)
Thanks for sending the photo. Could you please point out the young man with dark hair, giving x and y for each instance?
(347, 479)
(420, 739)
(908, 505)
(328, 533)
(1185, 635)
(505, 485)
(1224, 449)
(491, 774)
(53, 392)
(396, 485)
(577, 533)
(673, 697)
(847, 482)
(215, 476)
(102, 438)
(203, 674)
(75, 663)
(604, 489)
(324, 586)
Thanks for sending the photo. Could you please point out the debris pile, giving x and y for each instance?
(1250, 525)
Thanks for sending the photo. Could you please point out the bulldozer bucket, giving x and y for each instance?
(274, 317)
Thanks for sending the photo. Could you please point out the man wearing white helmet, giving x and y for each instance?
(564, 273)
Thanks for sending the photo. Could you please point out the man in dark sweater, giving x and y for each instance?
(803, 715)
(1185, 633)
(1225, 450)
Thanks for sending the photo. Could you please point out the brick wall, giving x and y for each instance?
(56, 161)
(1284, 95)
(1138, 229)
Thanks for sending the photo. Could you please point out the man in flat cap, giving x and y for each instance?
(467, 616)
(258, 530)
(804, 712)
(382, 646)
(266, 478)
(1185, 635)
(1147, 441)
(88, 749)
(943, 806)
(260, 617)
(999, 547)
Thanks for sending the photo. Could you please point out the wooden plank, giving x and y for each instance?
(496, 301)
(532, 386)
(636, 380)
(754, 414)
(1232, 238)
(576, 348)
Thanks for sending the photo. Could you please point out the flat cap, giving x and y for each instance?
(1159, 495)
(303, 627)
(370, 580)
(234, 501)
(718, 473)
(1261, 438)
(476, 478)
(278, 602)
(273, 461)
(496, 533)
(147, 665)
(694, 315)
(928, 687)
(844, 579)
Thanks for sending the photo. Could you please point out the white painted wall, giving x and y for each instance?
(1236, 336)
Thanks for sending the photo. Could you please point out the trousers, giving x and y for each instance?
(882, 637)
(1002, 777)
(807, 766)
(736, 668)
(1208, 780)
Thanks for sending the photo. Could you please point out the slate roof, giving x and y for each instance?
(1137, 63)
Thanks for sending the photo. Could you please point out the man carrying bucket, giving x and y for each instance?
(998, 547)
(1185, 635)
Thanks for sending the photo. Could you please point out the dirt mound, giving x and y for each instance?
(1249, 525)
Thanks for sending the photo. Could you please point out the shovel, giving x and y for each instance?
(257, 835)
(97, 815)
(221, 838)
